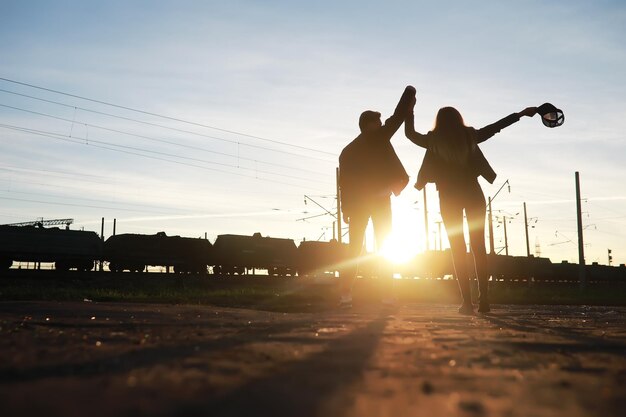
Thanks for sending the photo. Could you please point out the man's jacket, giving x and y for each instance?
(369, 166)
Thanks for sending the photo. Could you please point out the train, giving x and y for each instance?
(67, 249)
(134, 252)
(229, 255)
(438, 264)
(238, 254)
(232, 255)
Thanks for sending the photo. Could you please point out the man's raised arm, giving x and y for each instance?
(392, 124)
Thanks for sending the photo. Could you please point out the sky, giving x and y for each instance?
(212, 117)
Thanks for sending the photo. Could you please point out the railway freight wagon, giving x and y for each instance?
(505, 267)
(236, 254)
(606, 274)
(134, 252)
(66, 248)
(317, 258)
(431, 264)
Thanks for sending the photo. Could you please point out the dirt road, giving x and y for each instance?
(113, 359)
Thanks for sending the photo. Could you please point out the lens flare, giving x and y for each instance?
(405, 240)
(398, 249)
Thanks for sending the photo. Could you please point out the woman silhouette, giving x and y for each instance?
(454, 162)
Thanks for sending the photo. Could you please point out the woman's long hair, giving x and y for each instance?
(452, 138)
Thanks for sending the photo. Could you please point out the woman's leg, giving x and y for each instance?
(476, 211)
(452, 215)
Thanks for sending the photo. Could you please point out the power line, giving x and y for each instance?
(84, 142)
(68, 173)
(174, 214)
(165, 117)
(14, 216)
(88, 141)
(590, 201)
(190, 204)
(79, 205)
(154, 139)
(50, 174)
(88, 200)
(176, 210)
(111, 181)
(163, 127)
(103, 207)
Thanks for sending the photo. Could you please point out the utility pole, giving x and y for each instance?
(581, 247)
(491, 249)
(426, 221)
(610, 256)
(334, 216)
(526, 226)
(338, 207)
(114, 223)
(506, 239)
(439, 234)
(491, 245)
(102, 238)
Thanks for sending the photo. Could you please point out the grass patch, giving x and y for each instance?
(282, 294)
(290, 294)
(599, 294)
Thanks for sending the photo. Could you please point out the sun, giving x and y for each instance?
(407, 236)
(396, 250)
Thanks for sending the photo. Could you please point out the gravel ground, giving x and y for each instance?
(115, 359)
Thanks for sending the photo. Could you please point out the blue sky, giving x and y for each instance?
(300, 73)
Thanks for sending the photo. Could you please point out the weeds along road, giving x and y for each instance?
(284, 294)
(110, 359)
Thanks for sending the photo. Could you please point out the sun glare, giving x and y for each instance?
(406, 238)
(397, 250)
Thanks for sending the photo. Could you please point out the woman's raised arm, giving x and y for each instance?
(409, 131)
(490, 130)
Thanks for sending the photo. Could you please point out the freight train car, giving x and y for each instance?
(134, 252)
(237, 254)
(429, 265)
(317, 258)
(518, 268)
(565, 272)
(66, 248)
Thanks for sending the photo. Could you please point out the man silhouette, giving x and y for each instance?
(369, 171)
